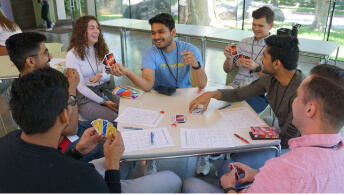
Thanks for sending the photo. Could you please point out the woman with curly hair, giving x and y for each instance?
(86, 51)
(7, 29)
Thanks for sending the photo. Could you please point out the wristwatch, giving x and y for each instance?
(195, 68)
(103, 102)
(230, 188)
(258, 69)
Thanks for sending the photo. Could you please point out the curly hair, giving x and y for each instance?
(79, 39)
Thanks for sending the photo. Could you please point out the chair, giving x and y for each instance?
(231, 75)
(54, 47)
(3, 88)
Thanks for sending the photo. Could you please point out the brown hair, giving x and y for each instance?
(7, 24)
(79, 39)
(264, 12)
(327, 88)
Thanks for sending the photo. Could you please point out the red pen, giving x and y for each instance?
(243, 139)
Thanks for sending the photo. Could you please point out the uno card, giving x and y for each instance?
(109, 59)
(198, 110)
(110, 129)
(98, 125)
(244, 56)
(234, 50)
(103, 127)
(179, 119)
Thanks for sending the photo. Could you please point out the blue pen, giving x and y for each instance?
(228, 105)
(135, 128)
(152, 138)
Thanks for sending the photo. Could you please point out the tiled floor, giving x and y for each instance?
(137, 43)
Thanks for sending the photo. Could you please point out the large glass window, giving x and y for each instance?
(313, 15)
(337, 28)
(111, 9)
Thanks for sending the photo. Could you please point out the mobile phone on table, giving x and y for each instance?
(165, 90)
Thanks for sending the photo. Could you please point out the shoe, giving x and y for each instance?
(51, 27)
(215, 156)
(150, 167)
(203, 167)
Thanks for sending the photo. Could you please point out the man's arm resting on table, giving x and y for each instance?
(199, 77)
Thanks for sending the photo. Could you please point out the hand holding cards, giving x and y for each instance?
(198, 110)
(104, 127)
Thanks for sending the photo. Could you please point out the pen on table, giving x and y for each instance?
(243, 139)
(152, 138)
(228, 105)
(135, 128)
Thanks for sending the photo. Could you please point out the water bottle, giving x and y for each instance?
(295, 29)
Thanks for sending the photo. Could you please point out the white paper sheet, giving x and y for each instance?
(138, 116)
(238, 118)
(205, 138)
(73, 138)
(54, 62)
(141, 140)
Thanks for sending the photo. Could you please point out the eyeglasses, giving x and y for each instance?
(46, 52)
(73, 100)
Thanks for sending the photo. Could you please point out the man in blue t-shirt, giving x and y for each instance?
(167, 63)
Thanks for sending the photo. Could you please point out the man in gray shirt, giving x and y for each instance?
(250, 70)
(280, 82)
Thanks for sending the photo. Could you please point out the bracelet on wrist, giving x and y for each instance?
(229, 189)
(198, 67)
(103, 102)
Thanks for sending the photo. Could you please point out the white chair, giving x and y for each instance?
(54, 47)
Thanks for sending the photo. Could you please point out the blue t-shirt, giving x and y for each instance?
(154, 58)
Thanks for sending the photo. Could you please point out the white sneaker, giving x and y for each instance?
(217, 173)
(203, 167)
(150, 167)
(215, 157)
(51, 27)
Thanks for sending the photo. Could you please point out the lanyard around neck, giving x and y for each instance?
(285, 91)
(259, 51)
(327, 147)
(168, 66)
(92, 67)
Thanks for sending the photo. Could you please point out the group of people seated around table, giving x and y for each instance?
(309, 114)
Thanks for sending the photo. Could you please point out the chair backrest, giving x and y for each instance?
(231, 75)
(54, 47)
(4, 86)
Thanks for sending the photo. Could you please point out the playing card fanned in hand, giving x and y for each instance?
(104, 127)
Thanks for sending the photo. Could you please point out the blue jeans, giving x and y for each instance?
(254, 159)
(258, 103)
(44, 13)
(97, 152)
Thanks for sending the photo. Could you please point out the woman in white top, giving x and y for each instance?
(7, 29)
(86, 52)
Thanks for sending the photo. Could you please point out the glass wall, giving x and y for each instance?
(313, 15)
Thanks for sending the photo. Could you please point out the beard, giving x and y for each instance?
(169, 42)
